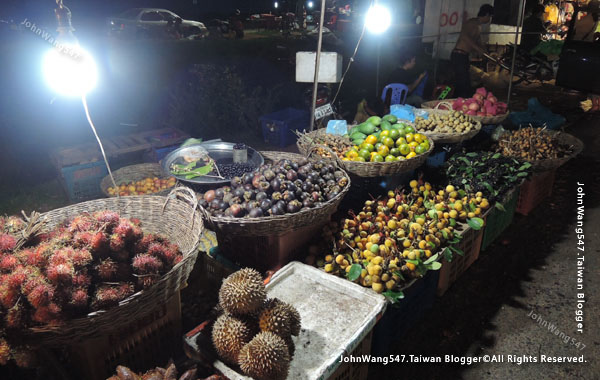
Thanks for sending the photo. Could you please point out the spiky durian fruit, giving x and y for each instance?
(280, 317)
(243, 292)
(291, 346)
(229, 335)
(266, 357)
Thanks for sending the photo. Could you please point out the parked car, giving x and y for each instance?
(580, 57)
(153, 23)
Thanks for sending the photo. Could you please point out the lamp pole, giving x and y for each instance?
(317, 63)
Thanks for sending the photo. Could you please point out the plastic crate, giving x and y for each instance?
(139, 345)
(450, 271)
(278, 127)
(405, 313)
(437, 159)
(266, 253)
(497, 221)
(535, 190)
(82, 182)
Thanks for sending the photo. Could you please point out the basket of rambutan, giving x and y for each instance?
(93, 267)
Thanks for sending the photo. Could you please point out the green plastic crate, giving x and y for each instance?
(497, 221)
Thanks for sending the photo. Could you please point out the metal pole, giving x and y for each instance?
(377, 72)
(317, 62)
(514, 57)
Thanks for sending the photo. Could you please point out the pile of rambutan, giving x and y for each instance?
(89, 263)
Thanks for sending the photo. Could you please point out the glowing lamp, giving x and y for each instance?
(378, 19)
(70, 71)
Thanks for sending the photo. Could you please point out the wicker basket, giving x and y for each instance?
(553, 163)
(368, 169)
(279, 224)
(176, 219)
(434, 104)
(134, 173)
(451, 138)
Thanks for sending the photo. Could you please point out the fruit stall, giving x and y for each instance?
(225, 262)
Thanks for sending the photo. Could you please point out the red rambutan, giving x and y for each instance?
(15, 317)
(137, 233)
(81, 279)
(40, 295)
(106, 270)
(108, 219)
(145, 242)
(79, 298)
(121, 256)
(157, 250)
(33, 257)
(16, 279)
(24, 357)
(125, 229)
(117, 243)
(62, 238)
(106, 296)
(4, 352)
(146, 264)
(99, 242)
(62, 256)
(48, 315)
(136, 222)
(125, 290)
(81, 223)
(147, 281)
(83, 239)
(7, 242)
(14, 224)
(8, 263)
(81, 257)
(60, 273)
(8, 296)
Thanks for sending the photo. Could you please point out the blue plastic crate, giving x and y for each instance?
(278, 127)
(82, 182)
(401, 316)
(437, 159)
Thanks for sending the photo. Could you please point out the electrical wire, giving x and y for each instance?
(89, 119)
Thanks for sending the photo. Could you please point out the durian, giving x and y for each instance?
(280, 318)
(266, 357)
(243, 292)
(229, 335)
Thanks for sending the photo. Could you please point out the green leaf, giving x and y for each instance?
(399, 274)
(431, 244)
(465, 160)
(415, 262)
(457, 251)
(488, 187)
(354, 273)
(452, 222)
(461, 193)
(393, 296)
(468, 187)
(475, 223)
(472, 207)
(445, 234)
(422, 269)
(522, 174)
(525, 166)
(471, 154)
(434, 266)
(496, 156)
(432, 214)
(432, 259)
(500, 207)
(447, 254)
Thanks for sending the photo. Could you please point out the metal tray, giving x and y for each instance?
(221, 152)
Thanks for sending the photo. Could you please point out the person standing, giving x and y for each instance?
(533, 28)
(469, 42)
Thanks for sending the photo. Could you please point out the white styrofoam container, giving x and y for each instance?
(336, 316)
(330, 67)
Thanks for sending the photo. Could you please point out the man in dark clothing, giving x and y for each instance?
(533, 24)
(469, 42)
(405, 74)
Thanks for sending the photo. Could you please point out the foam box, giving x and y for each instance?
(330, 67)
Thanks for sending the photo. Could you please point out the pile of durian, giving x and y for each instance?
(252, 331)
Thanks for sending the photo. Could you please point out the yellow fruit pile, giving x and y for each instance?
(390, 241)
(398, 142)
(144, 186)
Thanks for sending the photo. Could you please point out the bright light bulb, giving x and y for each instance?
(378, 19)
(69, 70)
(276, 4)
(310, 4)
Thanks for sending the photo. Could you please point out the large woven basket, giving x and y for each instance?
(562, 138)
(447, 104)
(134, 173)
(278, 224)
(177, 219)
(451, 138)
(366, 169)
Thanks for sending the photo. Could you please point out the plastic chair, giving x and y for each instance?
(399, 93)
(420, 89)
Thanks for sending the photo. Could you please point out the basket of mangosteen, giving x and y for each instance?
(544, 149)
(286, 193)
(381, 146)
(79, 272)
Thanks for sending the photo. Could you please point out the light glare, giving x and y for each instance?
(378, 19)
(70, 71)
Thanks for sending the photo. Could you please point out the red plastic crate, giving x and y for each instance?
(450, 271)
(534, 191)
